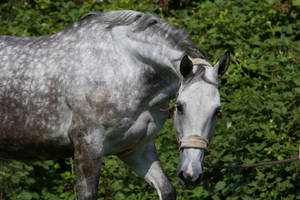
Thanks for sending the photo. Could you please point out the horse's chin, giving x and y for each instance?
(188, 186)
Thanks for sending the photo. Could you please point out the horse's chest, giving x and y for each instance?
(126, 108)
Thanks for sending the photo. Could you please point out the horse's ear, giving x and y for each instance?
(222, 66)
(186, 66)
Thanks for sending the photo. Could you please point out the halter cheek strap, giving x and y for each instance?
(194, 141)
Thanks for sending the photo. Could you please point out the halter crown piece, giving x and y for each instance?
(200, 61)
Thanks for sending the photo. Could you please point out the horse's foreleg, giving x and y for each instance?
(146, 163)
(87, 157)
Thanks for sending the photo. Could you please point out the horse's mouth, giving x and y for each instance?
(189, 185)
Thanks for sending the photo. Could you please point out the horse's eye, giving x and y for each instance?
(179, 108)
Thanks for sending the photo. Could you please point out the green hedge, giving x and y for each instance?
(260, 93)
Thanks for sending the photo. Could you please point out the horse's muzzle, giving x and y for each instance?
(190, 168)
(189, 182)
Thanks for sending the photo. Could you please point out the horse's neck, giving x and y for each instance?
(160, 77)
(144, 75)
(135, 81)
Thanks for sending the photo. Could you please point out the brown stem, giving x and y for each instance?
(106, 189)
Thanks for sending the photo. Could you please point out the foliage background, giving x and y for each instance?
(260, 97)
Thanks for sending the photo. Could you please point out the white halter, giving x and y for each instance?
(194, 141)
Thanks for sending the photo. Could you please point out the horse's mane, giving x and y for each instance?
(176, 38)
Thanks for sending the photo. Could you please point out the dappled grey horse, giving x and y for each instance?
(97, 88)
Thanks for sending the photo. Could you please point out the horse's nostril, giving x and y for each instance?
(187, 178)
(197, 179)
(180, 175)
(187, 181)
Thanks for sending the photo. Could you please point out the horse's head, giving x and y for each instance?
(197, 105)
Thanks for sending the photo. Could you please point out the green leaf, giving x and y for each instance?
(220, 185)
(296, 2)
(296, 79)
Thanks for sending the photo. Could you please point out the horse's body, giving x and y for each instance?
(92, 90)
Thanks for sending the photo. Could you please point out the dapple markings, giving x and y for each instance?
(96, 89)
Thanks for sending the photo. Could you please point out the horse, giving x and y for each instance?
(97, 88)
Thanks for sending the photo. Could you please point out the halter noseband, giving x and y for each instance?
(193, 141)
